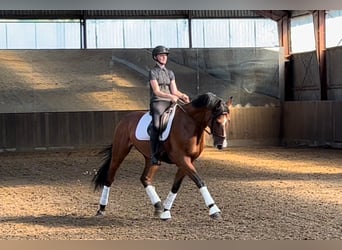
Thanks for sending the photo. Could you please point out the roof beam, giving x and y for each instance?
(284, 35)
(275, 15)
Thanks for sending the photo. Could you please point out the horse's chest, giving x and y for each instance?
(195, 151)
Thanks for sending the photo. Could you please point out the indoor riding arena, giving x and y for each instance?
(280, 176)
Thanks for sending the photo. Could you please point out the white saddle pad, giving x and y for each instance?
(145, 120)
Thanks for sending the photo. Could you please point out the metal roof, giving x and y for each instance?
(61, 14)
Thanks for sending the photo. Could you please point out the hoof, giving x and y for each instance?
(157, 213)
(216, 216)
(100, 213)
(166, 215)
(158, 209)
(215, 212)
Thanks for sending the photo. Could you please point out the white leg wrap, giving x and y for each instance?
(169, 200)
(152, 194)
(213, 210)
(104, 196)
(206, 196)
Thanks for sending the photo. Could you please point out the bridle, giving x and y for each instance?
(212, 125)
(213, 118)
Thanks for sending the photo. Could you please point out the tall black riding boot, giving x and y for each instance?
(154, 147)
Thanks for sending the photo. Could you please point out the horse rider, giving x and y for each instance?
(163, 92)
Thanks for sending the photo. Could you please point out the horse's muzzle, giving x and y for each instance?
(220, 145)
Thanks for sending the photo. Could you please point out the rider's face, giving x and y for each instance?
(162, 58)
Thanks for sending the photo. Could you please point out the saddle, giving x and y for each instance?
(142, 131)
(164, 119)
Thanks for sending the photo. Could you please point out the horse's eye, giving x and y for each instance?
(221, 118)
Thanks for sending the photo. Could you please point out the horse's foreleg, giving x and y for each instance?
(166, 214)
(214, 211)
(146, 179)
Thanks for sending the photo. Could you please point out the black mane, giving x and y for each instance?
(211, 101)
(207, 100)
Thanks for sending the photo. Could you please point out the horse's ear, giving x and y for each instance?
(230, 101)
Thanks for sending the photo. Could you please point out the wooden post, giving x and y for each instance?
(320, 28)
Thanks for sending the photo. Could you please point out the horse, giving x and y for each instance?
(183, 145)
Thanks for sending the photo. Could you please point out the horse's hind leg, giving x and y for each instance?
(166, 214)
(109, 169)
(147, 179)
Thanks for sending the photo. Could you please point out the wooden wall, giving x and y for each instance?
(312, 123)
(57, 130)
(254, 126)
(94, 129)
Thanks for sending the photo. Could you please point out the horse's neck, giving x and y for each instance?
(201, 116)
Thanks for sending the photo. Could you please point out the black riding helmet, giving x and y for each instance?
(159, 50)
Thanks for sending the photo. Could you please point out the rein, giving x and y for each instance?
(180, 105)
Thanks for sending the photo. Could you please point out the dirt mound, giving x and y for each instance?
(99, 80)
(38, 81)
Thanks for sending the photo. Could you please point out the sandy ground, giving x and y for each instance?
(264, 193)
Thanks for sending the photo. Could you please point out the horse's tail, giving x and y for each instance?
(100, 177)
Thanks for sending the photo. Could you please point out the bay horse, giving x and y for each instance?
(184, 144)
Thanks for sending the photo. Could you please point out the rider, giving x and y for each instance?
(163, 92)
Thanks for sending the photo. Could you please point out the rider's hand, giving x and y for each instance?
(174, 99)
(185, 98)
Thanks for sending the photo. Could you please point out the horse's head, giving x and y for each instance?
(218, 116)
(219, 122)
